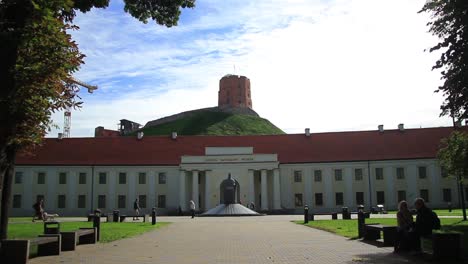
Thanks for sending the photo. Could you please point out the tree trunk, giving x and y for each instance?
(8, 159)
(463, 205)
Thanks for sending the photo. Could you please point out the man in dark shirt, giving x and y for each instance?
(424, 222)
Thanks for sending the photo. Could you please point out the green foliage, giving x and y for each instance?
(216, 123)
(164, 12)
(453, 154)
(449, 23)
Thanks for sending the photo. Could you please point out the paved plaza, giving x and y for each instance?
(268, 239)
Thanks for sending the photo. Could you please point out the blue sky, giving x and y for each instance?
(331, 65)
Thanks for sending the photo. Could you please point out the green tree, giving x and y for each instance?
(453, 157)
(37, 60)
(449, 22)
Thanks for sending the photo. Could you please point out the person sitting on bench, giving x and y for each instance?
(405, 224)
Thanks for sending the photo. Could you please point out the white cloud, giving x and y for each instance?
(331, 66)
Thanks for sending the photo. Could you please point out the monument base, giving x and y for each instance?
(230, 210)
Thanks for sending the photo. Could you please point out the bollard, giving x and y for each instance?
(306, 214)
(361, 223)
(97, 223)
(450, 207)
(153, 216)
(115, 216)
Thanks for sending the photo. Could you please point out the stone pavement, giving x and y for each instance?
(268, 239)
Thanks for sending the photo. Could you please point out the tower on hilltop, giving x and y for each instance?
(234, 91)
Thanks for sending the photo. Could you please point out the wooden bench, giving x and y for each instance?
(17, 250)
(372, 232)
(145, 217)
(82, 236)
(334, 215)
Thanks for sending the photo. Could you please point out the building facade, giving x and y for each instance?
(325, 171)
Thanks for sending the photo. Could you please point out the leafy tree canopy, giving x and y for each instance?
(453, 155)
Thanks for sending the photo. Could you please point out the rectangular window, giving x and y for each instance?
(102, 178)
(317, 175)
(379, 173)
(447, 195)
(359, 198)
(401, 196)
(400, 173)
(41, 178)
(380, 197)
(162, 178)
(142, 200)
(424, 193)
(82, 178)
(161, 201)
(297, 176)
(17, 201)
(358, 174)
(142, 178)
(339, 198)
(18, 177)
(62, 178)
(61, 201)
(422, 172)
(318, 199)
(121, 201)
(122, 178)
(101, 201)
(298, 199)
(338, 175)
(81, 201)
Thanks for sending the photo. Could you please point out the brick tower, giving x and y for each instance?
(234, 91)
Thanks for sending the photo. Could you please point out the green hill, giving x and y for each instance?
(215, 123)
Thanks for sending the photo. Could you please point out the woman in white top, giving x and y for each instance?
(192, 208)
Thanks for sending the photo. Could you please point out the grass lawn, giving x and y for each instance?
(444, 212)
(109, 231)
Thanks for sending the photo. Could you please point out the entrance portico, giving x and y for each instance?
(257, 174)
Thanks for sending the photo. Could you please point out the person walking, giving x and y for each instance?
(405, 224)
(136, 207)
(192, 208)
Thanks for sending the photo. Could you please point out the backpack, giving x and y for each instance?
(435, 221)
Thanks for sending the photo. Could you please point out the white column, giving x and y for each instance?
(390, 192)
(207, 190)
(264, 190)
(348, 195)
(51, 180)
(251, 184)
(72, 182)
(276, 190)
(111, 197)
(412, 191)
(132, 195)
(195, 188)
(28, 190)
(182, 197)
(435, 191)
(308, 187)
(329, 195)
(151, 177)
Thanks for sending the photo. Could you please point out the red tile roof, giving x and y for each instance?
(291, 148)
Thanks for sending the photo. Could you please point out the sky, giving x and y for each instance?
(331, 65)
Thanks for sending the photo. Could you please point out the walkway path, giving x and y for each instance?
(269, 239)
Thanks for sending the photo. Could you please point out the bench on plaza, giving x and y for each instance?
(70, 239)
(17, 250)
(334, 215)
(145, 217)
(372, 232)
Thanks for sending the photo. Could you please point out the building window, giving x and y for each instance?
(102, 178)
(18, 177)
(162, 178)
(142, 178)
(424, 193)
(17, 201)
(81, 201)
(359, 198)
(142, 201)
(101, 201)
(317, 175)
(339, 198)
(61, 201)
(338, 175)
(401, 196)
(400, 173)
(422, 172)
(380, 197)
(447, 195)
(122, 178)
(318, 199)
(297, 176)
(358, 174)
(41, 178)
(121, 201)
(62, 178)
(82, 178)
(443, 172)
(161, 201)
(298, 199)
(379, 173)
